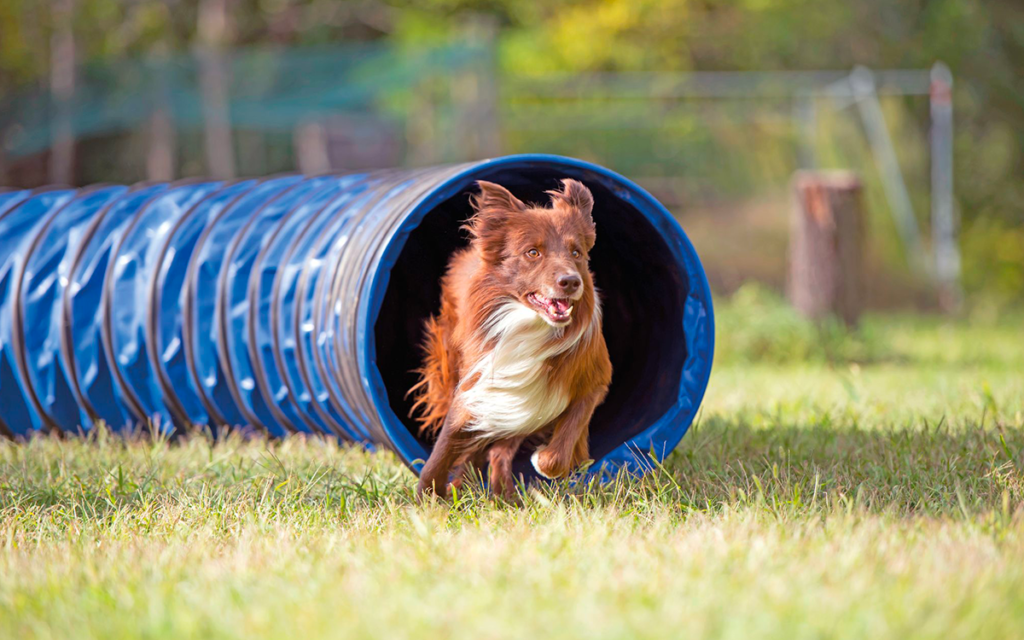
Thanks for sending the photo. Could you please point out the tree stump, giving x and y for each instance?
(825, 245)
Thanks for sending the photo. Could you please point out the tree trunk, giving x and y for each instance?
(214, 30)
(62, 88)
(4, 181)
(825, 251)
(477, 92)
(421, 125)
(162, 141)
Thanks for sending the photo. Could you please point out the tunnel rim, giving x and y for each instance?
(629, 454)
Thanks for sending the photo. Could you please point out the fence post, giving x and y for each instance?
(825, 246)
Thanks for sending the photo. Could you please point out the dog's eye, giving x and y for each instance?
(575, 253)
(533, 253)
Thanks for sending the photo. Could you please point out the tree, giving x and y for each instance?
(214, 31)
(62, 91)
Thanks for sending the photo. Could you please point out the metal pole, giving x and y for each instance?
(944, 223)
(862, 84)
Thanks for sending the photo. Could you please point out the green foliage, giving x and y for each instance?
(707, 144)
(757, 325)
(994, 259)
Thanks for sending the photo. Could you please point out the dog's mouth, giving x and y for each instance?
(557, 311)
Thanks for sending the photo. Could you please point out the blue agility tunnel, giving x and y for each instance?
(296, 304)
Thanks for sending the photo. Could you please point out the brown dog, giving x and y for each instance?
(517, 348)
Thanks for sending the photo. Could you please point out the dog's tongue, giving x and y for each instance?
(559, 306)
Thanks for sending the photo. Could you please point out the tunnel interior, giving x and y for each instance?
(643, 289)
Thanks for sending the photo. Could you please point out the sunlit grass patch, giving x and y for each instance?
(825, 499)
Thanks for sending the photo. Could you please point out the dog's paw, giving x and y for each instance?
(426, 489)
(535, 461)
(547, 464)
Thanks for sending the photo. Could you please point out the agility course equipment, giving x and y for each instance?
(296, 304)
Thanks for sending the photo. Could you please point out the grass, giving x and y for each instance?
(844, 497)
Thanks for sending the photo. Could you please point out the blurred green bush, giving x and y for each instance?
(714, 149)
(756, 325)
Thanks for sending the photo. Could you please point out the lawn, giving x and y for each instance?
(865, 485)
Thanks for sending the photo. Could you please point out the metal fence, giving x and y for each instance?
(688, 137)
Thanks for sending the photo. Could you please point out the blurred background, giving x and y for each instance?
(711, 105)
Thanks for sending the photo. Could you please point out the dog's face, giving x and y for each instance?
(537, 255)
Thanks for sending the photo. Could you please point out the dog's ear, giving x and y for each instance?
(492, 206)
(575, 195)
(496, 197)
(576, 198)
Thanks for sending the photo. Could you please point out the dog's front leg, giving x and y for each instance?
(450, 445)
(499, 465)
(568, 447)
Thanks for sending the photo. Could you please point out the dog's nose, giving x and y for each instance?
(569, 283)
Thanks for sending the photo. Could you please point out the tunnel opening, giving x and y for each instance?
(643, 288)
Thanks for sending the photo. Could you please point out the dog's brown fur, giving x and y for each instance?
(516, 252)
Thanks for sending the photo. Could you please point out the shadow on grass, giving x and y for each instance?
(101, 475)
(786, 468)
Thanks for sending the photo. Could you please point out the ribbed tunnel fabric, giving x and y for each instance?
(296, 304)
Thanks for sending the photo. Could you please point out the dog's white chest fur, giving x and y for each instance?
(512, 395)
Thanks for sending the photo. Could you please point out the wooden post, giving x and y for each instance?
(825, 245)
